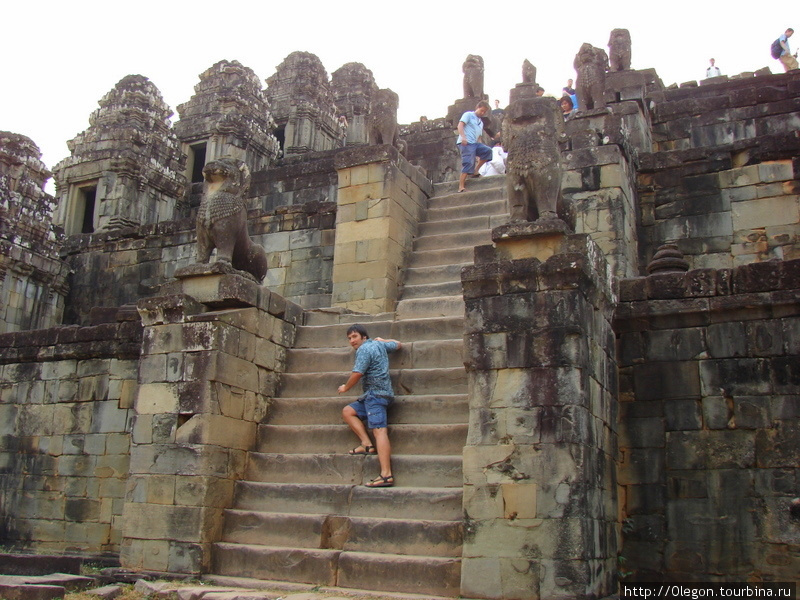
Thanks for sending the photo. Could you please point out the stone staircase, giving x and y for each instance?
(301, 513)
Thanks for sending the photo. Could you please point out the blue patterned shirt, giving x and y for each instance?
(372, 361)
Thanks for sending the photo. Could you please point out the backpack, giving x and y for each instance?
(776, 49)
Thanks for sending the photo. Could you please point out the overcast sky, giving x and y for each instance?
(60, 58)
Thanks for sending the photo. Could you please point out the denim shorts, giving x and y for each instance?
(373, 409)
(468, 153)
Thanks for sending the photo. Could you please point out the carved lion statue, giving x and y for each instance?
(222, 219)
(591, 65)
(532, 128)
(528, 72)
(473, 76)
(619, 50)
(383, 119)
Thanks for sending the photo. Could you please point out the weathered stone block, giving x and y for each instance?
(711, 449)
(736, 376)
(500, 578)
(666, 380)
(217, 430)
(683, 415)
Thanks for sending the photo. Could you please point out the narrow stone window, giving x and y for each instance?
(280, 134)
(87, 197)
(198, 161)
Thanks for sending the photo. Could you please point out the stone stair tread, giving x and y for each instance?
(432, 273)
(436, 258)
(344, 532)
(298, 588)
(416, 329)
(446, 241)
(432, 307)
(448, 211)
(419, 408)
(450, 380)
(455, 225)
(428, 290)
(427, 439)
(364, 570)
(442, 503)
(430, 353)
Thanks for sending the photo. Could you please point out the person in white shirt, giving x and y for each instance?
(713, 70)
(497, 164)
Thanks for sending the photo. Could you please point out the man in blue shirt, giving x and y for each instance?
(788, 61)
(372, 369)
(470, 129)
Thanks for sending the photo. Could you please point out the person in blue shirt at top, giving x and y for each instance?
(470, 129)
(372, 369)
(788, 61)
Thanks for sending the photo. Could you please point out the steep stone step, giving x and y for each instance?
(417, 471)
(455, 225)
(336, 532)
(481, 184)
(301, 565)
(429, 290)
(435, 274)
(450, 211)
(431, 258)
(411, 574)
(453, 240)
(431, 308)
(430, 354)
(421, 408)
(404, 381)
(399, 502)
(336, 315)
(321, 439)
(410, 330)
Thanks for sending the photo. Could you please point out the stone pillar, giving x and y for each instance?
(213, 347)
(540, 493)
(381, 199)
(599, 181)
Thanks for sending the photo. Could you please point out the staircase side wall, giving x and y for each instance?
(66, 405)
(540, 493)
(207, 372)
(710, 424)
(381, 200)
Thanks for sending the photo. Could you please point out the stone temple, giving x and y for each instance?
(607, 394)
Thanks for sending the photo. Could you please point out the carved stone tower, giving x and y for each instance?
(229, 115)
(32, 276)
(353, 89)
(126, 169)
(302, 103)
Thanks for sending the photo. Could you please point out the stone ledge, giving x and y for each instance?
(770, 276)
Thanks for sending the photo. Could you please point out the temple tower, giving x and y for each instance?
(126, 169)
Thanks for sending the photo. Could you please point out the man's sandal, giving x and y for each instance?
(363, 449)
(381, 481)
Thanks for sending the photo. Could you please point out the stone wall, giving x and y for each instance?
(213, 349)
(66, 404)
(710, 423)
(115, 268)
(295, 180)
(540, 497)
(380, 203)
(723, 180)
